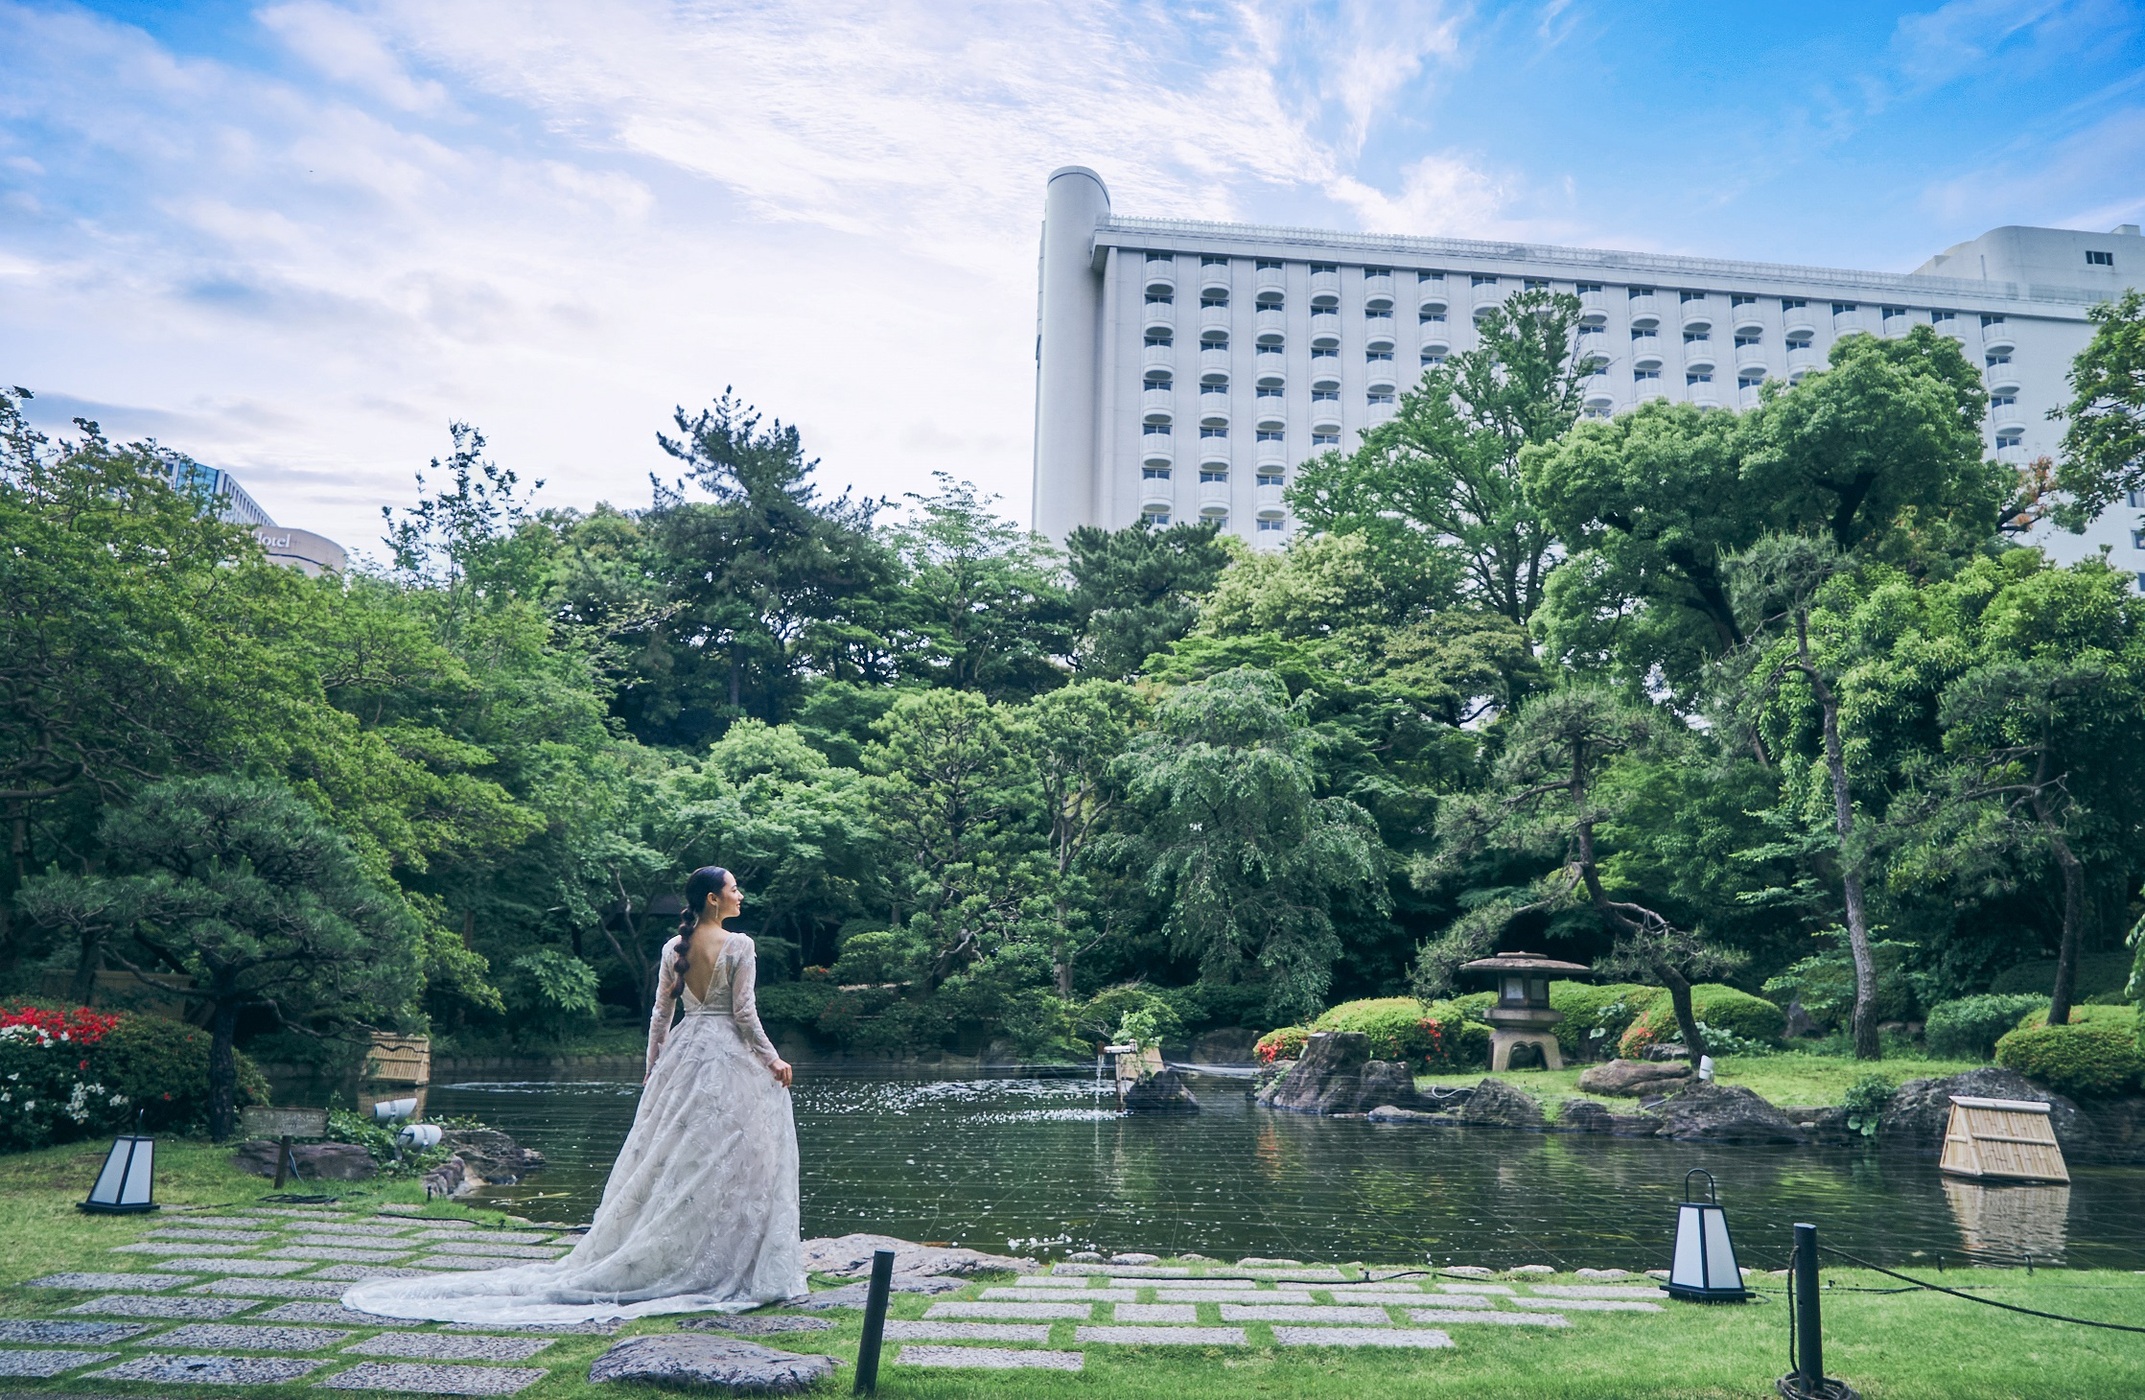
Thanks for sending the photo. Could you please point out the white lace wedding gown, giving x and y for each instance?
(700, 1213)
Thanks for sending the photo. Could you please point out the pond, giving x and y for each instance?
(1048, 1166)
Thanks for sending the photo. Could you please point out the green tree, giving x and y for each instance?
(983, 604)
(1137, 590)
(1232, 835)
(1444, 473)
(1078, 736)
(244, 888)
(2103, 455)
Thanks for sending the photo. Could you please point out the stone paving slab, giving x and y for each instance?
(1201, 1295)
(189, 1247)
(245, 1336)
(497, 1250)
(372, 1246)
(208, 1370)
(1485, 1290)
(40, 1364)
(415, 1379)
(1215, 1285)
(273, 1288)
(1051, 1281)
(1596, 1305)
(333, 1313)
(204, 1234)
(1092, 1295)
(488, 1236)
(249, 1268)
(1360, 1337)
(1125, 1270)
(1157, 1312)
(1591, 1290)
(1601, 1275)
(300, 1212)
(1467, 1271)
(1257, 1312)
(26, 1329)
(899, 1331)
(151, 1283)
(353, 1273)
(1162, 1336)
(1415, 1300)
(1384, 1285)
(989, 1358)
(1508, 1319)
(356, 1230)
(439, 1346)
(1290, 1275)
(135, 1305)
(600, 1327)
(473, 1263)
(1011, 1312)
(334, 1254)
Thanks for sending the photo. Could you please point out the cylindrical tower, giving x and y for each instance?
(1068, 332)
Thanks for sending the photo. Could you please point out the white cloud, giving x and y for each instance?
(341, 46)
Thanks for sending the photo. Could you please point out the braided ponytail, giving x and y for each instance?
(707, 880)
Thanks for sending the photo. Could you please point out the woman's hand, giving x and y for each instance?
(783, 1073)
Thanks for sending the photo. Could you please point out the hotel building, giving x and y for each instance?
(1184, 369)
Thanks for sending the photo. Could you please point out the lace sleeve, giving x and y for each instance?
(666, 1003)
(745, 1001)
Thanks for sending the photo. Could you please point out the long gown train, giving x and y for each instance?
(700, 1213)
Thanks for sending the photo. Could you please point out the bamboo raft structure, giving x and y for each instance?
(2002, 1140)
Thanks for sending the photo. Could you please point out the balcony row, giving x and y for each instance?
(1158, 492)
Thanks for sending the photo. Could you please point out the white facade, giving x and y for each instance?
(1184, 369)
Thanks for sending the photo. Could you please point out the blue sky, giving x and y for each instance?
(297, 239)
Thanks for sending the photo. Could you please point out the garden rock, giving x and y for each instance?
(1161, 1093)
(1916, 1116)
(1668, 1052)
(720, 1363)
(449, 1178)
(1388, 1113)
(491, 1156)
(1584, 1116)
(849, 1256)
(1629, 1079)
(1327, 1077)
(1389, 1082)
(1496, 1104)
(756, 1326)
(1720, 1113)
(1826, 1125)
(317, 1161)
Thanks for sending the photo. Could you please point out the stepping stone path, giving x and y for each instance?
(496, 1250)
(87, 1333)
(272, 1288)
(194, 1247)
(1591, 1290)
(1162, 1336)
(1157, 1312)
(1509, 1319)
(726, 1363)
(352, 1273)
(898, 1331)
(253, 1268)
(439, 1346)
(218, 1336)
(148, 1282)
(1021, 1312)
(1258, 1312)
(209, 1370)
(40, 1364)
(129, 1305)
(435, 1380)
(1359, 1337)
(772, 1326)
(990, 1358)
(332, 1313)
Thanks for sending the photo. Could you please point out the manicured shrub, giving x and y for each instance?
(162, 1066)
(77, 1073)
(1969, 1027)
(1596, 1017)
(1439, 1036)
(1740, 1020)
(2093, 1060)
(1283, 1044)
(1460, 1040)
(2086, 1014)
(1473, 1004)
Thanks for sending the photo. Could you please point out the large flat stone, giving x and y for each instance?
(333, 1314)
(1213, 1285)
(850, 1256)
(1162, 1336)
(1093, 1295)
(1012, 1312)
(988, 1358)
(1295, 1275)
(1051, 1281)
(1361, 1337)
(366, 1243)
(1412, 1300)
(471, 1263)
(201, 1234)
(160, 1369)
(1593, 1290)
(1157, 1312)
(150, 1283)
(130, 1305)
(440, 1238)
(1509, 1319)
(496, 1250)
(898, 1331)
(1126, 1270)
(722, 1363)
(1597, 1305)
(37, 1365)
(854, 1295)
(1196, 1295)
(1630, 1079)
(333, 1254)
(194, 1247)
(354, 1273)
(243, 1268)
(417, 1379)
(1480, 1290)
(597, 1327)
(246, 1336)
(773, 1326)
(442, 1346)
(317, 1161)
(273, 1288)
(1260, 1312)
(21, 1330)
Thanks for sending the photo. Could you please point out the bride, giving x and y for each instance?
(700, 1213)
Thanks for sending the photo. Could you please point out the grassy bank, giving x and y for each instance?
(1788, 1079)
(1891, 1346)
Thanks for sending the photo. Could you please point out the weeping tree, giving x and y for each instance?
(241, 886)
(1540, 806)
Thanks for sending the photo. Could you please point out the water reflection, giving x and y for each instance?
(2007, 1224)
(1048, 1163)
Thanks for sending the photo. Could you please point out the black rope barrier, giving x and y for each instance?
(1985, 1302)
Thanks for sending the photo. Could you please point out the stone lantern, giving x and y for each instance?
(1523, 1034)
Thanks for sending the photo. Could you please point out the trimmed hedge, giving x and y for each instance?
(2092, 1060)
(163, 1067)
(2083, 1014)
(1969, 1027)
(1438, 1036)
(1609, 1008)
(1718, 1007)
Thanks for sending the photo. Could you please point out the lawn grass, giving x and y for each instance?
(1787, 1079)
(1890, 1346)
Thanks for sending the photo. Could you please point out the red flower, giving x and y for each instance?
(82, 1025)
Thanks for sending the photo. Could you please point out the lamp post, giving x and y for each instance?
(126, 1184)
(1522, 1018)
(1704, 1268)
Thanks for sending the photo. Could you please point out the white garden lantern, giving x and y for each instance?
(127, 1182)
(1704, 1268)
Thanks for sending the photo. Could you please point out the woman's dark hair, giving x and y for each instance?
(707, 880)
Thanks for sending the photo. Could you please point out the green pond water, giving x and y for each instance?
(1048, 1166)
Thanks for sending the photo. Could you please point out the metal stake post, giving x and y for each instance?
(882, 1279)
(1809, 1336)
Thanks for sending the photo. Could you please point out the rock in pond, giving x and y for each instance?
(1584, 1116)
(317, 1161)
(719, 1363)
(1388, 1113)
(1721, 1113)
(1496, 1104)
(1161, 1093)
(1337, 1075)
(491, 1156)
(1915, 1117)
(849, 1256)
(1629, 1079)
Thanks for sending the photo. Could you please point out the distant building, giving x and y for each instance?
(1184, 369)
(303, 550)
